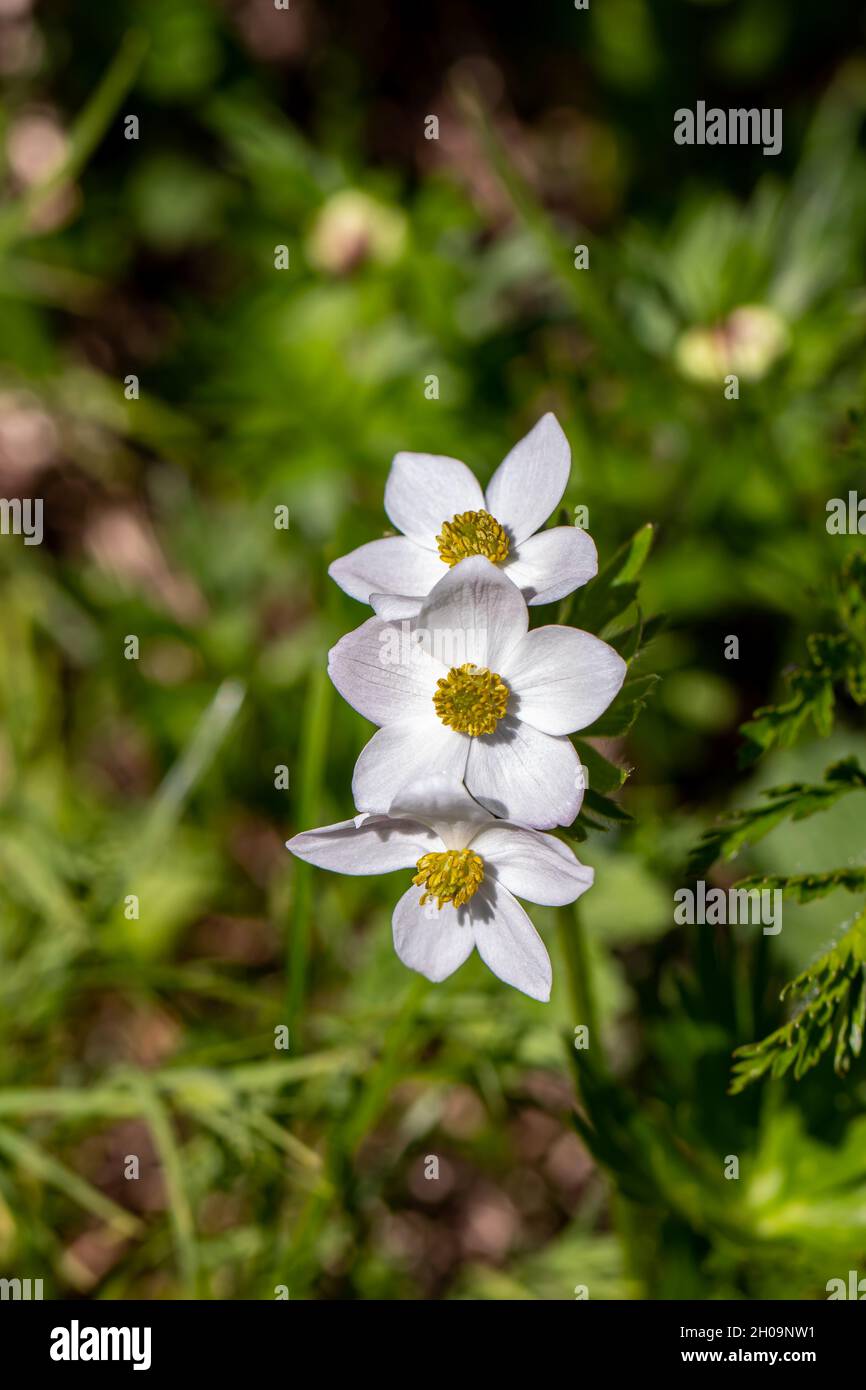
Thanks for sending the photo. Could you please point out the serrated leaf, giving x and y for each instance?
(621, 715)
(604, 806)
(579, 830)
(631, 641)
(794, 801)
(614, 588)
(833, 658)
(855, 683)
(804, 888)
(602, 774)
(831, 1004)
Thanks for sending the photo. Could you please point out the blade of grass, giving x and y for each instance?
(51, 1171)
(300, 1154)
(180, 1209)
(87, 132)
(259, 1075)
(68, 1104)
(378, 1085)
(171, 796)
(587, 291)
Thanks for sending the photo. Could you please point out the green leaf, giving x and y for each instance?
(621, 715)
(629, 560)
(778, 726)
(603, 806)
(601, 774)
(633, 640)
(597, 813)
(614, 588)
(580, 828)
(834, 659)
(804, 888)
(831, 994)
(794, 801)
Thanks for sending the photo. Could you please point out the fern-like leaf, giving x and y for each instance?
(804, 888)
(793, 801)
(831, 999)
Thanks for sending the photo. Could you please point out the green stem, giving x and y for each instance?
(572, 936)
(381, 1080)
(314, 739)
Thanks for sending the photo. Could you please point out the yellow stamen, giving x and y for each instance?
(472, 533)
(471, 699)
(449, 876)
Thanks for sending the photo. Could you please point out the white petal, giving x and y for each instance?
(394, 606)
(382, 673)
(553, 563)
(562, 679)
(393, 565)
(474, 614)
(508, 943)
(378, 845)
(423, 490)
(403, 753)
(524, 775)
(532, 865)
(428, 939)
(530, 480)
(445, 805)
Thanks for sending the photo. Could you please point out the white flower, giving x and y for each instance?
(469, 867)
(464, 689)
(439, 506)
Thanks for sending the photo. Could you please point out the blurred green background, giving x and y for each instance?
(265, 1170)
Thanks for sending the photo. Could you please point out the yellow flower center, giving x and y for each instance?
(471, 699)
(449, 876)
(472, 533)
